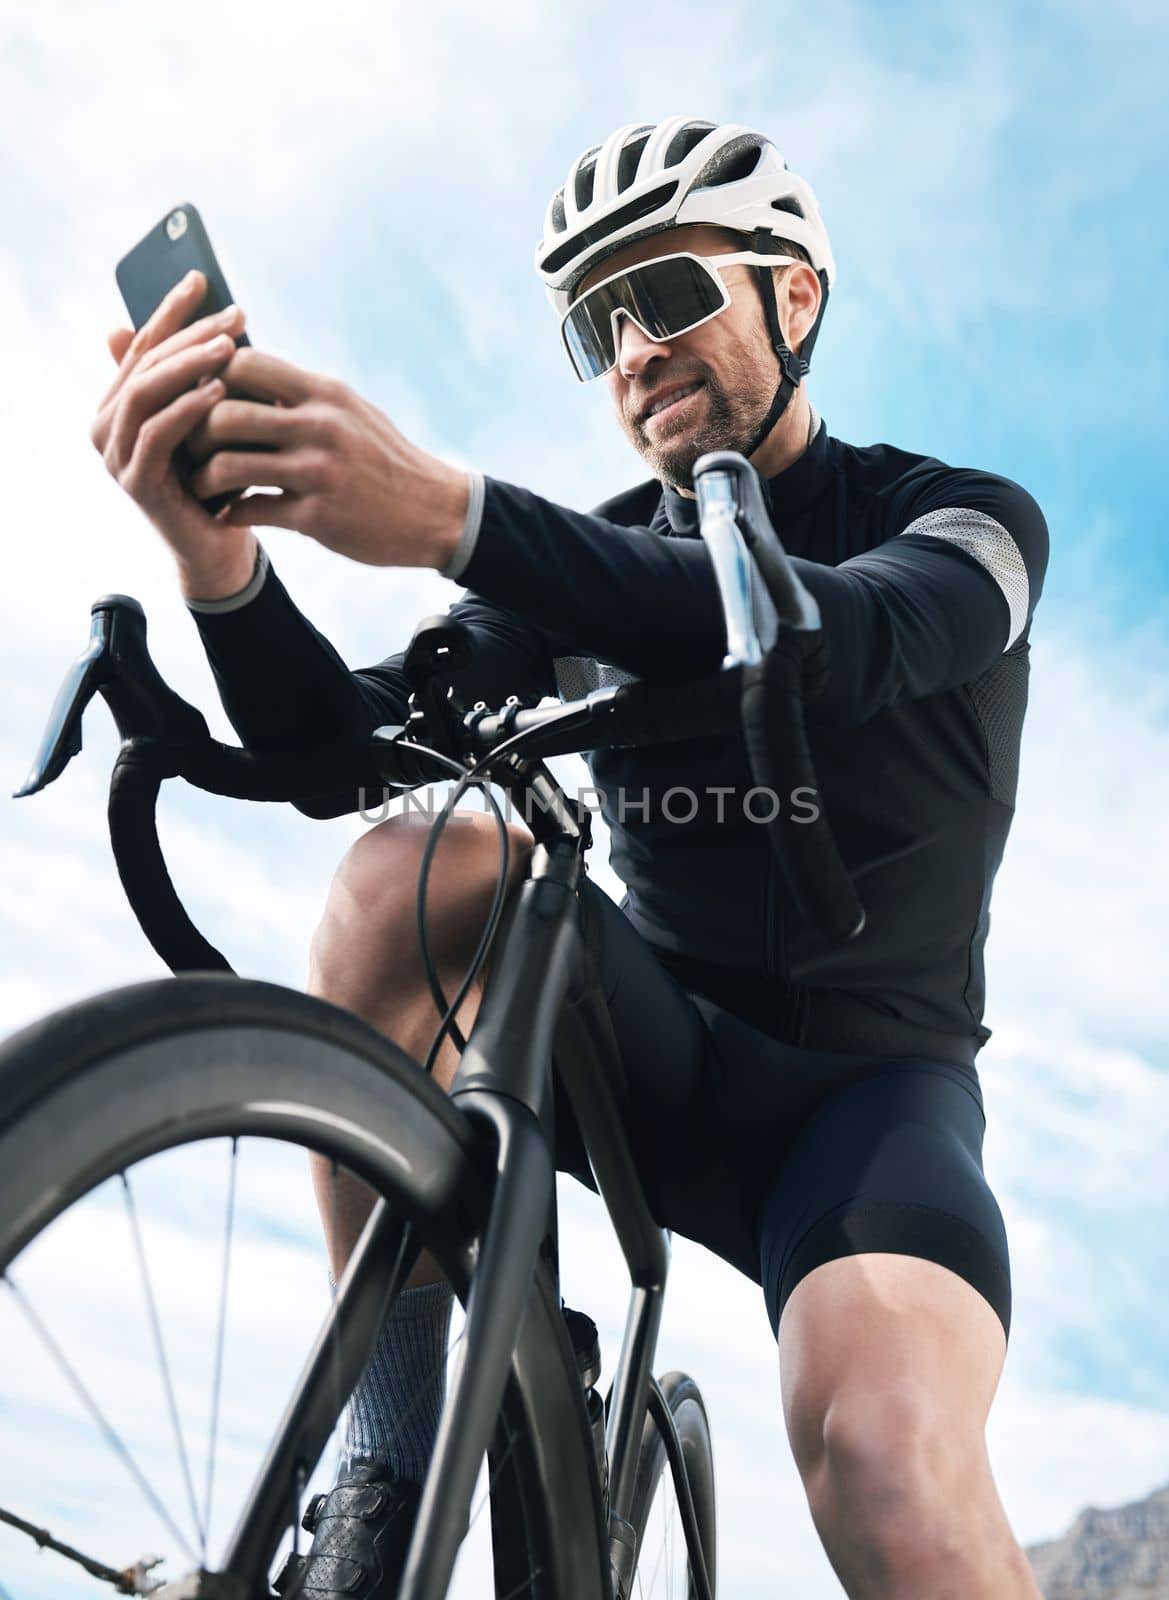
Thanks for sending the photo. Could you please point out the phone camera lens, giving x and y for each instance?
(176, 225)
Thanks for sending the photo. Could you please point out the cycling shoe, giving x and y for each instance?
(361, 1531)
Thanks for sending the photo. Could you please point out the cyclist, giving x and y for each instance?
(810, 1112)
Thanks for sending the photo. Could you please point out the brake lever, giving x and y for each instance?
(761, 594)
(117, 664)
(777, 641)
(748, 610)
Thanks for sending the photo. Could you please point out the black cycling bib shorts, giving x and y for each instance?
(776, 1157)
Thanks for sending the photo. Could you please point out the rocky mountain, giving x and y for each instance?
(1122, 1554)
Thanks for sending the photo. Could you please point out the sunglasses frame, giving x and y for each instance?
(710, 264)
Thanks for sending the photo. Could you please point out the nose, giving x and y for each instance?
(635, 350)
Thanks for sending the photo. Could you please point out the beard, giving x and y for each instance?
(729, 422)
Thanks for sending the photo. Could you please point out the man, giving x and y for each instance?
(819, 1106)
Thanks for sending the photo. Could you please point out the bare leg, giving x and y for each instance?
(888, 1368)
(365, 957)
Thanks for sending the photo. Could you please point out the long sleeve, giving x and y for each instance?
(935, 605)
(929, 608)
(282, 684)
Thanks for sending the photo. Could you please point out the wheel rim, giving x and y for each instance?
(144, 1424)
(111, 1084)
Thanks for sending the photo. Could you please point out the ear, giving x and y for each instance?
(798, 292)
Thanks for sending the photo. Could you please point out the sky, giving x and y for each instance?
(374, 178)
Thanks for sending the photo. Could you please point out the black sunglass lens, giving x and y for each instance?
(663, 297)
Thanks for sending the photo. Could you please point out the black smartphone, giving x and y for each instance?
(147, 274)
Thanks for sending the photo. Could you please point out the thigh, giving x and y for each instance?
(890, 1163)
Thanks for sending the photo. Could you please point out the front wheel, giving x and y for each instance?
(662, 1570)
(162, 1274)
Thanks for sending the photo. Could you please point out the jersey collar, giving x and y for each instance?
(792, 491)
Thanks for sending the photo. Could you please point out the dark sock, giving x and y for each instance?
(394, 1410)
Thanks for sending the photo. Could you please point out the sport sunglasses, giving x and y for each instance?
(666, 297)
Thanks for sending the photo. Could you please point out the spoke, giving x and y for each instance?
(131, 1580)
(654, 1574)
(104, 1426)
(217, 1375)
(486, 1495)
(527, 1584)
(662, 1548)
(336, 1333)
(425, 1388)
(163, 1364)
(671, 1529)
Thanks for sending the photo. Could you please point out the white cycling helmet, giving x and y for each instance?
(645, 179)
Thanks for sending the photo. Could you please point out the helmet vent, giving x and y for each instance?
(792, 206)
(684, 141)
(629, 159)
(559, 222)
(584, 184)
(632, 211)
(734, 161)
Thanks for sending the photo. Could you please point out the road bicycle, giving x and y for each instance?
(94, 1093)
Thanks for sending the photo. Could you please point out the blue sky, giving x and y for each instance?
(375, 178)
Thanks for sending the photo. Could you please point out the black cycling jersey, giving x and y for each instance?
(926, 576)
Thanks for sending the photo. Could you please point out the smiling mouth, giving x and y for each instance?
(674, 406)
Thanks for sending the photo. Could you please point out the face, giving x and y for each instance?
(730, 358)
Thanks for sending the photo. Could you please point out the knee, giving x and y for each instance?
(888, 1476)
(373, 893)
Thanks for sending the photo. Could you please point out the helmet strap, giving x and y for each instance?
(791, 367)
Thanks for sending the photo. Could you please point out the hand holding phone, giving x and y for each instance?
(166, 388)
(175, 246)
(341, 472)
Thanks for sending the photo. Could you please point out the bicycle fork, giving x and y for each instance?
(503, 1087)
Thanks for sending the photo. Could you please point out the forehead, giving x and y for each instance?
(700, 238)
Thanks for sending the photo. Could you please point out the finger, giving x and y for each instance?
(119, 342)
(160, 435)
(262, 511)
(224, 324)
(265, 377)
(116, 430)
(139, 356)
(242, 422)
(173, 311)
(228, 321)
(244, 469)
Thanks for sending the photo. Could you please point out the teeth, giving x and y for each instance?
(669, 399)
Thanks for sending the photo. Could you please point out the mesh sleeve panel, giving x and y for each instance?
(992, 547)
(577, 676)
(999, 697)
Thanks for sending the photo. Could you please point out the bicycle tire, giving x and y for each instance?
(654, 1477)
(153, 1066)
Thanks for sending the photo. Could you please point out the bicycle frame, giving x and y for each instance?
(539, 1004)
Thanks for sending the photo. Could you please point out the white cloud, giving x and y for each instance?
(1079, 907)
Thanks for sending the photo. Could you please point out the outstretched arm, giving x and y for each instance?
(283, 684)
(925, 611)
